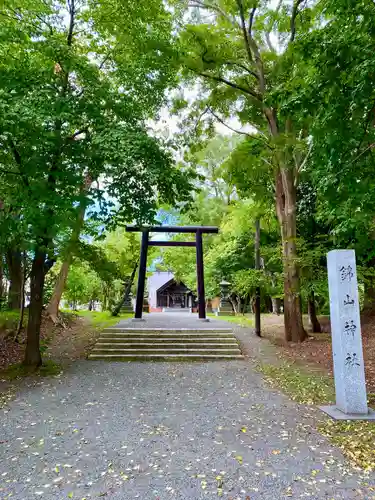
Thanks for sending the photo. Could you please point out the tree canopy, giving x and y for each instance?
(82, 85)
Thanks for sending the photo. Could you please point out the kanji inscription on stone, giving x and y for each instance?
(349, 373)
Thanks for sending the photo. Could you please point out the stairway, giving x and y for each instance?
(154, 344)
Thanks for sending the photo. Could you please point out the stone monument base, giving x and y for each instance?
(337, 414)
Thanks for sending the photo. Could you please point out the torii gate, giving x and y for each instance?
(198, 244)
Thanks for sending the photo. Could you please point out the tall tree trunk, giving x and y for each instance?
(369, 299)
(257, 267)
(1, 282)
(105, 299)
(286, 211)
(268, 303)
(276, 305)
(14, 262)
(128, 286)
(313, 319)
(39, 268)
(53, 306)
(33, 358)
(22, 310)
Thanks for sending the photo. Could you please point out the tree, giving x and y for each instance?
(334, 88)
(15, 272)
(53, 306)
(123, 250)
(82, 285)
(209, 162)
(232, 55)
(73, 100)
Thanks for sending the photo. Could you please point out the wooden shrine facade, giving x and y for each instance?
(174, 295)
(198, 231)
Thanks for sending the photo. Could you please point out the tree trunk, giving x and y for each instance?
(313, 319)
(22, 310)
(276, 305)
(1, 283)
(33, 358)
(14, 262)
(128, 286)
(268, 303)
(235, 301)
(53, 306)
(369, 299)
(286, 211)
(257, 267)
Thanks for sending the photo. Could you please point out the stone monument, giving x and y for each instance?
(348, 365)
(127, 306)
(145, 306)
(225, 307)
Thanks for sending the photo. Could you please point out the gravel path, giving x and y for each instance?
(161, 431)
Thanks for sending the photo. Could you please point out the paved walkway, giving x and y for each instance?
(173, 320)
(166, 431)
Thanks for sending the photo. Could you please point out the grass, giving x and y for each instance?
(300, 384)
(18, 370)
(9, 319)
(101, 319)
(238, 320)
(355, 438)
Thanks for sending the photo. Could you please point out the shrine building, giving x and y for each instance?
(165, 294)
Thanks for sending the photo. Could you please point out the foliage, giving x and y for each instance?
(248, 168)
(333, 88)
(78, 80)
(240, 320)
(101, 319)
(229, 255)
(8, 320)
(19, 370)
(93, 118)
(101, 268)
(299, 383)
(82, 285)
(355, 439)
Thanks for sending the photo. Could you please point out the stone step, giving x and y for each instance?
(137, 352)
(164, 357)
(165, 353)
(165, 345)
(172, 340)
(167, 335)
(168, 330)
